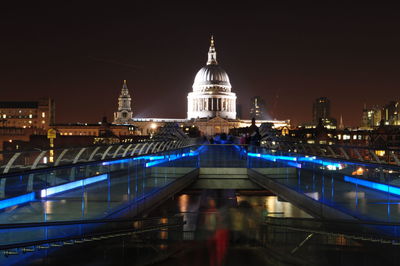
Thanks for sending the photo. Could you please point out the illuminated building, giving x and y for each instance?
(211, 96)
(124, 114)
(37, 114)
(322, 114)
(321, 109)
(257, 108)
(211, 105)
(391, 113)
(371, 117)
(341, 125)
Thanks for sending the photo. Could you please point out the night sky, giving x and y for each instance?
(287, 53)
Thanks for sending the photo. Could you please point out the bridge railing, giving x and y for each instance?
(88, 190)
(356, 153)
(20, 161)
(357, 241)
(374, 171)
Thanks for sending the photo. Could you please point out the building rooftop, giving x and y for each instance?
(17, 105)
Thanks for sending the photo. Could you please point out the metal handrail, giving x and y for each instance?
(75, 222)
(335, 221)
(78, 164)
(338, 151)
(91, 237)
(348, 161)
(69, 156)
(338, 227)
(337, 145)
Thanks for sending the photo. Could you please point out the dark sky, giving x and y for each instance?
(287, 53)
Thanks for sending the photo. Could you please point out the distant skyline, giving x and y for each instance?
(289, 54)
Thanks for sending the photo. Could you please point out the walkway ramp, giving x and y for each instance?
(224, 178)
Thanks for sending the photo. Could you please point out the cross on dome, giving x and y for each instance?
(212, 54)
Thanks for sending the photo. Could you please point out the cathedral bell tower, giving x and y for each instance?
(124, 114)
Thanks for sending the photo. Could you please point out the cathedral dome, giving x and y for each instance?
(211, 96)
(211, 76)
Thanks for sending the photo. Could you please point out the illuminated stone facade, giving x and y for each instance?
(124, 114)
(211, 105)
(211, 96)
(38, 114)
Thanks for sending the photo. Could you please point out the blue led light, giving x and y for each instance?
(156, 162)
(378, 186)
(297, 165)
(94, 179)
(71, 185)
(306, 159)
(251, 154)
(296, 159)
(5, 203)
(286, 158)
(171, 157)
(116, 161)
(148, 157)
(151, 158)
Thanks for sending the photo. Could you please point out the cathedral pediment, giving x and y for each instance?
(217, 120)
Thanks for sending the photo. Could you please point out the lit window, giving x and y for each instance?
(4, 116)
(43, 122)
(43, 114)
(30, 122)
(354, 136)
(30, 115)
